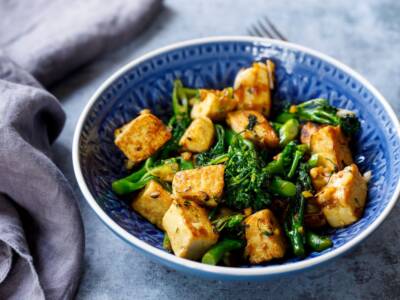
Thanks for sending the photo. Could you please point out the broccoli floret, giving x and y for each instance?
(319, 110)
(219, 149)
(244, 179)
(179, 121)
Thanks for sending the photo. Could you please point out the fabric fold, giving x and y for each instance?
(62, 35)
(41, 231)
(39, 217)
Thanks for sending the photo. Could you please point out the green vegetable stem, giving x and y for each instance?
(282, 187)
(293, 224)
(284, 117)
(232, 224)
(289, 131)
(317, 242)
(140, 178)
(179, 121)
(215, 254)
(287, 161)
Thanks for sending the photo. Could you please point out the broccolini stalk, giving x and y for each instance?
(287, 161)
(319, 110)
(282, 187)
(298, 155)
(288, 131)
(294, 223)
(317, 242)
(232, 223)
(313, 161)
(284, 117)
(215, 254)
(180, 119)
(230, 137)
(137, 180)
(191, 93)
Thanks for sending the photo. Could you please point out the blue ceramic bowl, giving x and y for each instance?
(301, 74)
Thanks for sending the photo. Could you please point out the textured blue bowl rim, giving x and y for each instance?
(218, 271)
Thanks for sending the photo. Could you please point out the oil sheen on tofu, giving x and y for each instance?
(152, 202)
(262, 133)
(307, 130)
(142, 137)
(190, 231)
(214, 104)
(343, 198)
(199, 136)
(203, 185)
(332, 147)
(265, 238)
(253, 87)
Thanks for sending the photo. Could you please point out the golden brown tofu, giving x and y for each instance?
(152, 202)
(343, 198)
(332, 147)
(307, 130)
(262, 133)
(253, 87)
(214, 104)
(265, 238)
(203, 185)
(142, 137)
(199, 136)
(313, 216)
(320, 177)
(189, 229)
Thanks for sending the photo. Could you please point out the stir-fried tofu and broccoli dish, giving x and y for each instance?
(229, 182)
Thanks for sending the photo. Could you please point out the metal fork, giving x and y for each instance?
(264, 28)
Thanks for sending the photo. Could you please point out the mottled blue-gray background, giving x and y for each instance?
(363, 34)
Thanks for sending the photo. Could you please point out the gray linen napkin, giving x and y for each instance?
(41, 235)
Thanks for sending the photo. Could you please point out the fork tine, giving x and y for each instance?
(267, 32)
(273, 28)
(251, 31)
(254, 30)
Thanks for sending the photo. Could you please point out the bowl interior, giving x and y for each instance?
(299, 76)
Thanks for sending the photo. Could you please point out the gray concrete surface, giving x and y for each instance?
(363, 34)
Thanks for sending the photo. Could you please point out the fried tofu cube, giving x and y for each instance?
(199, 136)
(189, 229)
(332, 147)
(343, 198)
(307, 130)
(152, 202)
(142, 137)
(252, 87)
(313, 216)
(203, 185)
(265, 237)
(214, 104)
(262, 133)
(320, 177)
